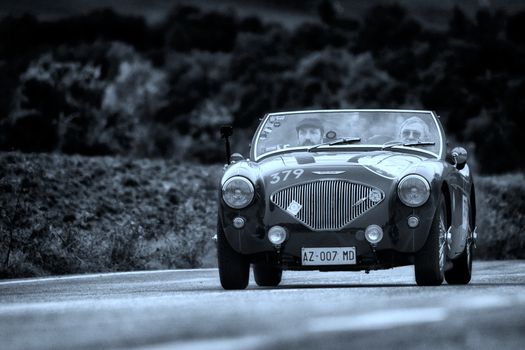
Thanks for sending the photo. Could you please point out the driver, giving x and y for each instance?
(309, 132)
(413, 130)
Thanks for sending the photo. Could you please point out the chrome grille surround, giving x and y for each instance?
(327, 204)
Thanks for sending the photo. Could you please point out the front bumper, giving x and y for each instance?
(391, 217)
(368, 257)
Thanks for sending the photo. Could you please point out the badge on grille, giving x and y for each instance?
(294, 208)
(374, 196)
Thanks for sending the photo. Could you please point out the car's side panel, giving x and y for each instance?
(462, 231)
(458, 206)
(458, 184)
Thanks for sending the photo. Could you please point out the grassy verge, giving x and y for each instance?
(501, 216)
(72, 214)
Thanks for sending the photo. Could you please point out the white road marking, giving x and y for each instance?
(485, 302)
(233, 343)
(400, 317)
(377, 320)
(99, 275)
(491, 301)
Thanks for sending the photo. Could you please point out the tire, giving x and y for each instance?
(461, 271)
(234, 268)
(267, 276)
(430, 261)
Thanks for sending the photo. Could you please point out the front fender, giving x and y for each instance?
(434, 172)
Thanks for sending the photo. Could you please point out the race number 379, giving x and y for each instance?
(285, 174)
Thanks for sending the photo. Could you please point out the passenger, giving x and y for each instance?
(414, 130)
(309, 132)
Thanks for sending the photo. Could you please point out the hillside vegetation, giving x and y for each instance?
(501, 216)
(74, 214)
(104, 83)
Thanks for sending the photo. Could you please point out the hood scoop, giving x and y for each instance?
(305, 159)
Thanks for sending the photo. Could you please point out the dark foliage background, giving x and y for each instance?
(74, 214)
(111, 84)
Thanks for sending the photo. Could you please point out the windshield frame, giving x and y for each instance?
(356, 146)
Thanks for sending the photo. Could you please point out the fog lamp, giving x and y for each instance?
(413, 221)
(277, 235)
(239, 222)
(374, 234)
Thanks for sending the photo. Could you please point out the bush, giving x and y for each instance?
(501, 216)
(338, 79)
(387, 26)
(72, 214)
(56, 106)
(188, 28)
(103, 83)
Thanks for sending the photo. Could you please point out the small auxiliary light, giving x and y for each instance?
(374, 234)
(239, 222)
(413, 221)
(277, 235)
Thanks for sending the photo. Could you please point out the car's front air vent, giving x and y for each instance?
(327, 204)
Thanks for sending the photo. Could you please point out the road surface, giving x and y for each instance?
(187, 309)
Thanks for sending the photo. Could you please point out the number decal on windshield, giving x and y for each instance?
(284, 175)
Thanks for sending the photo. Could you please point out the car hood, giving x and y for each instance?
(377, 168)
(384, 163)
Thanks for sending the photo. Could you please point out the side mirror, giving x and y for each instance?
(236, 157)
(459, 156)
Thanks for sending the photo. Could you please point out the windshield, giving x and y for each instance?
(346, 129)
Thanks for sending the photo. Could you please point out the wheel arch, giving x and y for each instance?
(473, 205)
(445, 190)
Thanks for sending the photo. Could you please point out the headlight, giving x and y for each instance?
(237, 192)
(413, 190)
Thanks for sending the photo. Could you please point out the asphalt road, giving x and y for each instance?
(187, 309)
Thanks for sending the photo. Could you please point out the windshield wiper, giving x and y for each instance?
(409, 144)
(342, 141)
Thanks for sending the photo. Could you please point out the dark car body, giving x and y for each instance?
(341, 191)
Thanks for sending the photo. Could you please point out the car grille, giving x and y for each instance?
(327, 204)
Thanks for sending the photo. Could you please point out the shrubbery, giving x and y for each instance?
(110, 84)
(73, 214)
(77, 214)
(501, 216)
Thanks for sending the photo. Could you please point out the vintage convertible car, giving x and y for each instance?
(346, 190)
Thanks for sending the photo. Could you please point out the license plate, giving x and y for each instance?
(328, 256)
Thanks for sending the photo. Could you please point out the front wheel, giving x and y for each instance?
(430, 261)
(461, 271)
(267, 276)
(234, 268)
